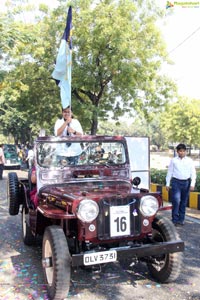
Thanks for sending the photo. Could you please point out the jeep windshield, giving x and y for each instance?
(61, 154)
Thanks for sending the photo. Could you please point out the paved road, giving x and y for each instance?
(21, 275)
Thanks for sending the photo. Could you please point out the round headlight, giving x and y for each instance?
(88, 210)
(148, 205)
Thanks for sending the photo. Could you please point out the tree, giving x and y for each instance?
(181, 121)
(29, 97)
(138, 127)
(117, 55)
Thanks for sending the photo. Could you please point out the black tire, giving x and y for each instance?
(28, 237)
(13, 193)
(170, 265)
(56, 261)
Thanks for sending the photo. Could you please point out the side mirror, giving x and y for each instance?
(136, 181)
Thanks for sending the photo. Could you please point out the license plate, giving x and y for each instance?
(119, 220)
(99, 257)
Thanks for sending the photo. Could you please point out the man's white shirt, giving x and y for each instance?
(75, 148)
(74, 124)
(181, 169)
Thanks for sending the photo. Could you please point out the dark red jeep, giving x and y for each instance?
(91, 211)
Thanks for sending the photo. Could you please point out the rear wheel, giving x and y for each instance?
(27, 235)
(56, 261)
(166, 267)
(13, 193)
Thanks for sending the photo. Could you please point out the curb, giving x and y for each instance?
(193, 201)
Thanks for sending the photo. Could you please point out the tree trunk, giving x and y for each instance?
(94, 125)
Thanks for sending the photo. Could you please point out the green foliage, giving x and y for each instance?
(181, 121)
(118, 52)
(178, 123)
(29, 97)
(159, 177)
(197, 186)
(136, 126)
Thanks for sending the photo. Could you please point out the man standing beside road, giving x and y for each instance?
(182, 175)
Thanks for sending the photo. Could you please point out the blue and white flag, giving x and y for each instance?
(63, 68)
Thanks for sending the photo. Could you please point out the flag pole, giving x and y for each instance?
(63, 67)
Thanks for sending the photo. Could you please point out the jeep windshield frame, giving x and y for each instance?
(61, 153)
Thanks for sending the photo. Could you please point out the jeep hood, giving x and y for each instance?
(94, 189)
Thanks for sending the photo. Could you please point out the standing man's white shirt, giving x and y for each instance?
(74, 127)
(182, 169)
(75, 124)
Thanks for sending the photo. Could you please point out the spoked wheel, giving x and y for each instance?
(27, 235)
(56, 261)
(13, 193)
(166, 267)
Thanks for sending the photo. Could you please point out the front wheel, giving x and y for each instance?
(166, 267)
(56, 261)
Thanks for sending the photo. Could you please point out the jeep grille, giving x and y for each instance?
(103, 220)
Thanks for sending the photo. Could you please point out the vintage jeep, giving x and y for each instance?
(91, 211)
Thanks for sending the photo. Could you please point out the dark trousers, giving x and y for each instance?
(179, 196)
(1, 171)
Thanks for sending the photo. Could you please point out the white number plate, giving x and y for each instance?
(119, 220)
(99, 257)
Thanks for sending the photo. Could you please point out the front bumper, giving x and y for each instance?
(138, 252)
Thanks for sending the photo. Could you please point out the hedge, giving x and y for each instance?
(159, 177)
